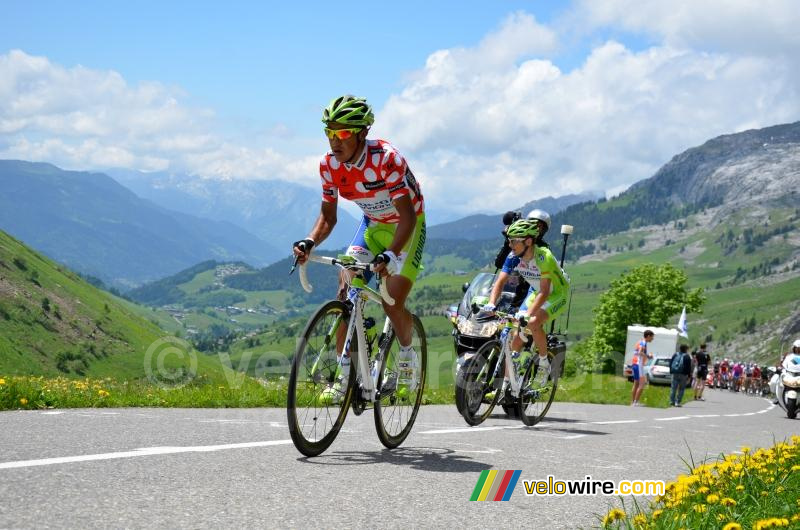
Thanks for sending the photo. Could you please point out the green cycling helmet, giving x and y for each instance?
(349, 110)
(523, 228)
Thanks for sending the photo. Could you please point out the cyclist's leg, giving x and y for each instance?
(378, 238)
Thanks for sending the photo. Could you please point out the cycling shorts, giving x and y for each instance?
(553, 306)
(636, 373)
(372, 238)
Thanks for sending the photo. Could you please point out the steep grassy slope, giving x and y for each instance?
(54, 323)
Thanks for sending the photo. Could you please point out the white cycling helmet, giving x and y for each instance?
(796, 344)
(540, 215)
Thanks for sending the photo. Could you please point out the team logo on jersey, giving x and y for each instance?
(375, 185)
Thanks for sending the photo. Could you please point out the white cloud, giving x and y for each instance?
(486, 127)
(485, 134)
(80, 118)
(740, 26)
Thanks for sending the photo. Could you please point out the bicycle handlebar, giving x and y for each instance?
(326, 260)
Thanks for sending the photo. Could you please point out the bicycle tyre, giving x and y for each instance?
(530, 392)
(308, 379)
(475, 380)
(395, 412)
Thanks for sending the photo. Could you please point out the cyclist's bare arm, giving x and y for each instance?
(502, 277)
(322, 228)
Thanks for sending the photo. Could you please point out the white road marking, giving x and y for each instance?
(672, 418)
(472, 429)
(613, 422)
(144, 451)
(52, 412)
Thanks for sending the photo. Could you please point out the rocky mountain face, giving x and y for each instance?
(278, 212)
(747, 167)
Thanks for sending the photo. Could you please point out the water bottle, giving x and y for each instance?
(345, 363)
(515, 361)
(374, 371)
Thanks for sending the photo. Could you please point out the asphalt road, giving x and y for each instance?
(198, 468)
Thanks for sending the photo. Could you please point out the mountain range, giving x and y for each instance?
(484, 226)
(98, 227)
(278, 212)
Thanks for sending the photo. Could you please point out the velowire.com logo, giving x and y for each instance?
(496, 485)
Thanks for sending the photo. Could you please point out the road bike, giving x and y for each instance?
(528, 395)
(326, 380)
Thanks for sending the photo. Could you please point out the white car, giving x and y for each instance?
(657, 371)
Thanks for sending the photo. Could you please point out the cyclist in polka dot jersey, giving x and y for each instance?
(374, 175)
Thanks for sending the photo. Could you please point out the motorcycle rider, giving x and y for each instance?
(773, 383)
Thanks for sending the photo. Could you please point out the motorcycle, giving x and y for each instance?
(469, 334)
(785, 384)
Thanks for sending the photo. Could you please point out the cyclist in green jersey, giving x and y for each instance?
(533, 262)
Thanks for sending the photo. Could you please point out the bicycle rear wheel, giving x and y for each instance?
(536, 395)
(476, 395)
(318, 393)
(397, 406)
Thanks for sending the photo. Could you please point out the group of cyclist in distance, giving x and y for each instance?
(373, 174)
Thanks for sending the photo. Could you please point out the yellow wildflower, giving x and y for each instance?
(2, 381)
(732, 526)
(657, 514)
(745, 449)
(727, 501)
(23, 401)
(739, 488)
(772, 522)
(640, 520)
(614, 515)
(712, 499)
(699, 508)
(703, 490)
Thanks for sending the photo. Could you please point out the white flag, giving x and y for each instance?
(683, 328)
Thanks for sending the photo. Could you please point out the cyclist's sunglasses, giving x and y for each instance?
(515, 240)
(341, 134)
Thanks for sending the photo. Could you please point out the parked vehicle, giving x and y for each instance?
(657, 371)
(664, 344)
(786, 385)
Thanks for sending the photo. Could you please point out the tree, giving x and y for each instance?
(650, 295)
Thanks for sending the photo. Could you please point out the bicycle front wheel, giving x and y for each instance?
(398, 403)
(319, 393)
(537, 391)
(477, 390)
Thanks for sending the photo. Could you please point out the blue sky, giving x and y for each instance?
(552, 97)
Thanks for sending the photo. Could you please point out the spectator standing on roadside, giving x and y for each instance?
(703, 360)
(640, 358)
(680, 366)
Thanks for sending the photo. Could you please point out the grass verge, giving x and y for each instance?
(38, 392)
(757, 489)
